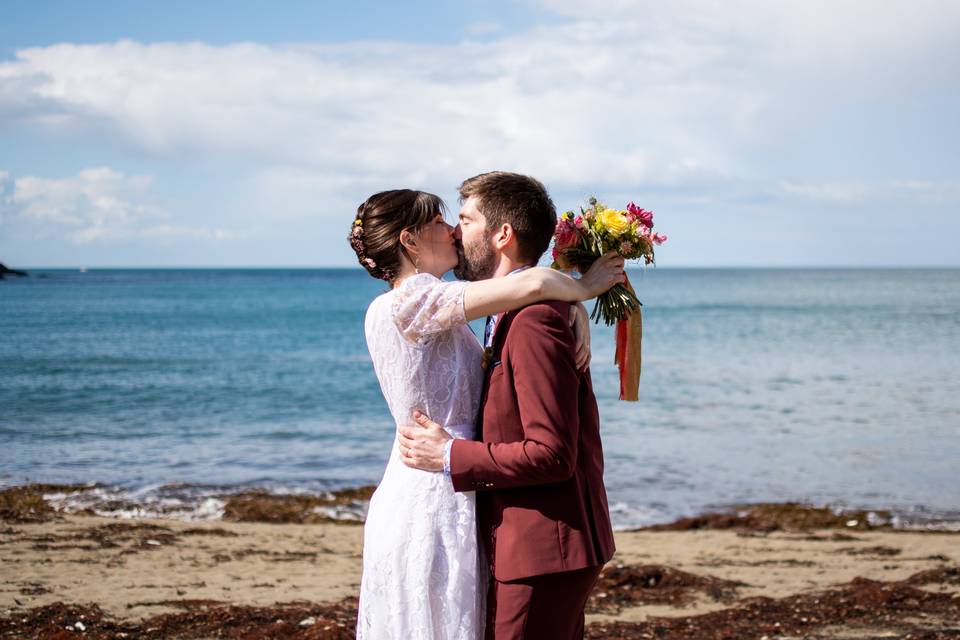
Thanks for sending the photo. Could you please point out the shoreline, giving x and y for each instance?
(786, 571)
(246, 503)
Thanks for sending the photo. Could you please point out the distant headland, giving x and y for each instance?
(4, 272)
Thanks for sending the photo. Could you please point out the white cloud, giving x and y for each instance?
(6, 193)
(699, 104)
(484, 28)
(97, 204)
(630, 93)
(928, 191)
(901, 193)
(828, 192)
(92, 202)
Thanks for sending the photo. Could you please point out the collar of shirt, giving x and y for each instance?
(492, 320)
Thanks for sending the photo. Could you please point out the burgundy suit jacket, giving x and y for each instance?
(538, 472)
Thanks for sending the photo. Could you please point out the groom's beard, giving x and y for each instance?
(475, 261)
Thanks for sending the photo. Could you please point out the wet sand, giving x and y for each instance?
(738, 579)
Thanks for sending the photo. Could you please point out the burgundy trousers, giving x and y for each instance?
(547, 607)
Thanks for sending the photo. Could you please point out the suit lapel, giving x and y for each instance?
(494, 356)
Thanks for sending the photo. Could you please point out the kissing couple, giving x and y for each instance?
(491, 519)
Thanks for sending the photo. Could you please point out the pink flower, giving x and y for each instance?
(578, 222)
(555, 253)
(566, 235)
(658, 238)
(626, 247)
(642, 215)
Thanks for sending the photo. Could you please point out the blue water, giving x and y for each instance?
(831, 386)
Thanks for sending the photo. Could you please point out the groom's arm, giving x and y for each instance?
(546, 380)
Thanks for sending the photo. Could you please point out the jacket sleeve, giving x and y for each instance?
(541, 347)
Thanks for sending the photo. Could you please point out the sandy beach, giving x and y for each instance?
(762, 573)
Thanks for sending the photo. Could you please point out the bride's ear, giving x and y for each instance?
(408, 240)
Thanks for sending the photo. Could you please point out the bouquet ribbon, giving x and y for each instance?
(627, 357)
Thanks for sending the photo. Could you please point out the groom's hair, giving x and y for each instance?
(518, 200)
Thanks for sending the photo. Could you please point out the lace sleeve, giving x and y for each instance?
(424, 305)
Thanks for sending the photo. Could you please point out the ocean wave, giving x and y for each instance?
(180, 501)
(301, 504)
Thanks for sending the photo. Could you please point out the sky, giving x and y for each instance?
(221, 133)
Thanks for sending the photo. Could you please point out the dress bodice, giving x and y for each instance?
(424, 354)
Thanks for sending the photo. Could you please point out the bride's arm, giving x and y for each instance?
(496, 295)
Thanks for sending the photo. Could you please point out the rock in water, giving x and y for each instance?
(4, 271)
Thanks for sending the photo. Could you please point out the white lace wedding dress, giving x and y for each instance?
(421, 566)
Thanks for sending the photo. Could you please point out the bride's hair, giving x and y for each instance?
(375, 234)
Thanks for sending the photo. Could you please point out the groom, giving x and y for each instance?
(538, 471)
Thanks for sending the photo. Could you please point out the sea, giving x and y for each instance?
(166, 390)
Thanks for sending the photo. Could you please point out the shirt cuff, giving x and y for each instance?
(446, 457)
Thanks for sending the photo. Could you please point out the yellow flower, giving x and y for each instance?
(616, 222)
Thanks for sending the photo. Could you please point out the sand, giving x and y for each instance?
(747, 581)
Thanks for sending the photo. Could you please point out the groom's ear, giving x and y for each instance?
(504, 236)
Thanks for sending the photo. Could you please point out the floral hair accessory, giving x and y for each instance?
(370, 263)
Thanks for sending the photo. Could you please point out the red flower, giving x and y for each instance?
(642, 215)
(566, 235)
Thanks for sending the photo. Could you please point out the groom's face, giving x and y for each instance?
(477, 258)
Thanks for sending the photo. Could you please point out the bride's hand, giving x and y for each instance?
(603, 274)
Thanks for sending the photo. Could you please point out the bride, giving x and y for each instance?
(422, 576)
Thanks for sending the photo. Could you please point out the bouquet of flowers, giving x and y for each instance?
(581, 239)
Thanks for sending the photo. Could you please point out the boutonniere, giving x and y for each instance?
(487, 356)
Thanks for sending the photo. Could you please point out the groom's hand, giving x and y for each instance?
(422, 446)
